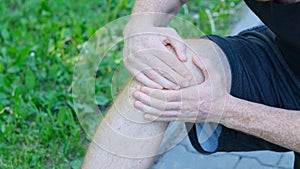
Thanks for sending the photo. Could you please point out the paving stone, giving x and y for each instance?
(264, 157)
(287, 160)
(179, 158)
(174, 135)
(188, 146)
(249, 163)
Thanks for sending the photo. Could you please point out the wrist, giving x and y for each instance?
(136, 25)
(229, 109)
(142, 21)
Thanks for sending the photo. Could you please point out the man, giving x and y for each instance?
(249, 84)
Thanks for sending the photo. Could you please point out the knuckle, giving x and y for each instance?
(138, 78)
(184, 83)
(178, 95)
(172, 30)
(172, 97)
(177, 106)
(137, 49)
(171, 33)
(165, 106)
(135, 57)
(128, 61)
(147, 40)
(168, 97)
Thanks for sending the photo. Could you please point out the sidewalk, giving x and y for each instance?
(183, 155)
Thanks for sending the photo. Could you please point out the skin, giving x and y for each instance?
(151, 17)
(105, 150)
(279, 126)
(146, 31)
(109, 149)
(288, 136)
(112, 147)
(186, 103)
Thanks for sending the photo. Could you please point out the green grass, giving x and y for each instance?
(39, 44)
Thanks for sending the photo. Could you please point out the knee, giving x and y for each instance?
(212, 56)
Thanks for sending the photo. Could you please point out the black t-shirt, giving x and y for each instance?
(284, 21)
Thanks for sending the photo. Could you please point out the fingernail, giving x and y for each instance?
(196, 60)
(159, 87)
(183, 56)
(136, 94)
(145, 90)
(137, 104)
(176, 87)
(148, 117)
(183, 59)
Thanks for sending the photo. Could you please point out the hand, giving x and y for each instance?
(148, 57)
(204, 102)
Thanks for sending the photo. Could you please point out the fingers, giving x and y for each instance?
(164, 95)
(159, 72)
(153, 111)
(175, 117)
(196, 61)
(160, 79)
(167, 66)
(148, 82)
(156, 103)
(174, 39)
(180, 73)
(149, 55)
(175, 78)
(201, 66)
(151, 117)
(180, 49)
(151, 77)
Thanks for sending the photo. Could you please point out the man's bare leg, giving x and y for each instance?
(124, 139)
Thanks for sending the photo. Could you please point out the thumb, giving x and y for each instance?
(201, 66)
(180, 49)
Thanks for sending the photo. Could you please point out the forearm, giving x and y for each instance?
(124, 139)
(155, 12)
(279, 126)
